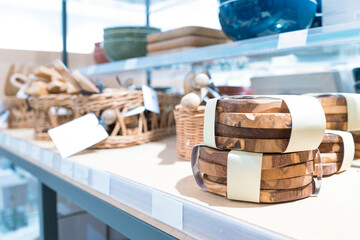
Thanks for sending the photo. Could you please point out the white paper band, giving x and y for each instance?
(308, 122)
(307, 117)
(349, 148)
(209, 123)
(244, 176)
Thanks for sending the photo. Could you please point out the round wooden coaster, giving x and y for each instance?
(254, 133)
(331, 147)
(336, 117)
(291, 171)
(269, 160)
(328, 169)
(357, 153)
(286, 183)
(252, 145)
(342, 126)
(330, 100)
(266, 196)
(256, 120)
(331, 157)
(331, 138)
(252, 105)
(335, 109)
(356, 136)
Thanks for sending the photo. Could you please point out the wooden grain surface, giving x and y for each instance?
(331, 147)
(268, 161)
(291, 171)
(255, 133)
(258, 105)
(342, 126)
(332, 157)
(266, 196)
(332, 100)
(356, 136)
(331, 138)
(286, 183)
(185, 31)
(335, 109)
(256, 120)
(252, 145)
(328, 169)
(336, 117)
(184, 41)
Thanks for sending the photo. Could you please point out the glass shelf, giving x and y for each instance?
(327, 44)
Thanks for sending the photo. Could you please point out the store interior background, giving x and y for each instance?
(31, 35)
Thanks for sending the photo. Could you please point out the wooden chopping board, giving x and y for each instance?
(186, 31)
(185, 41)
(332, 154)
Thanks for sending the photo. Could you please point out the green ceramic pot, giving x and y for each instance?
(122, 48)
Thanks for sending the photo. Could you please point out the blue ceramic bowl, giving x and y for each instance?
(243, 19)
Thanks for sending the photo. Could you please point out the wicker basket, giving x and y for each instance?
(51, 111)
(20, 116)
(189, 130)
(129, 131)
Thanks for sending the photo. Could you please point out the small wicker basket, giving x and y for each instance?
(132, 130)
(189, 130)
(20, 116)
(51, 111)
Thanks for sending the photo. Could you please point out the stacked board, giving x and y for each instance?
(332, 154)
(356, 136)
(335, 108)
(284, 177)
(254, 125)
(184, 38)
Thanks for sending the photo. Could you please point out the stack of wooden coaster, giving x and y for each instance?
(284, 177)
(254, 125)
(336, 112)
(184, 38)
(260, 125)
(332, 154)
(356, 136)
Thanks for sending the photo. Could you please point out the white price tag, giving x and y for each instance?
(47, 158)
(151, 101)
(135, 111)
(130, 64)
(57, 162)
(100, 181)
(2, 137)
(7, 141)
(292, 39)
(81, 173)
(167, 210)
(23, 147)
(67, 167)
(35, 152)
(77, 135)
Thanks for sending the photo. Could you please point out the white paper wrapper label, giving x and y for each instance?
(244, 176)
(349, 148)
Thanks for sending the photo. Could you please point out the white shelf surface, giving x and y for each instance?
(131, 176)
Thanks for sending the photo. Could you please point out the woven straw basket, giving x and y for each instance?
(51, 111)
(189, 130)
(20, 116)
(132, 130)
